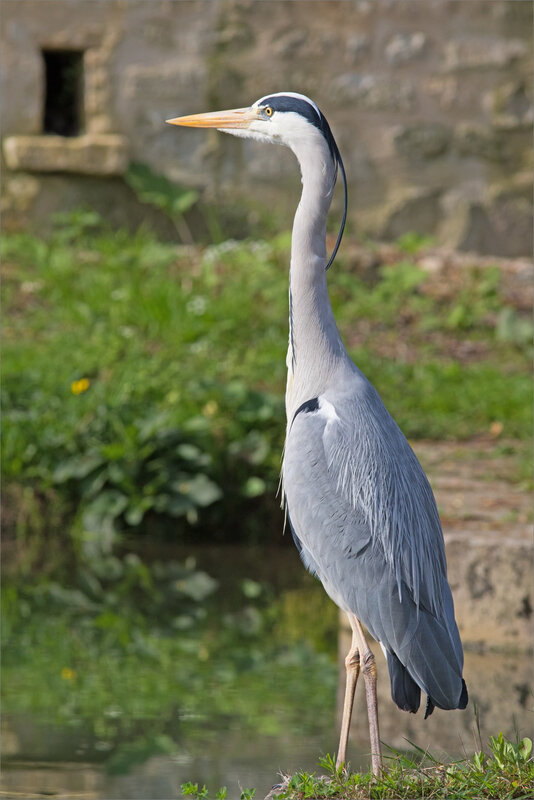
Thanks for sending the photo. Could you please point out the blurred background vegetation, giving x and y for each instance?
(143, 380)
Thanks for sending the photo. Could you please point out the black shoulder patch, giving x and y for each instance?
(309, 405)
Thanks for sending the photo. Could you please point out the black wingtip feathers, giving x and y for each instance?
(429, 707)
(464, 697)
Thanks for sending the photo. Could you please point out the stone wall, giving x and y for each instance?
(430, 103)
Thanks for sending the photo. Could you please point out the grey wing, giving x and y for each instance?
(365, 518)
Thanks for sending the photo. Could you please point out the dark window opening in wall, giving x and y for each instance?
(63, 111)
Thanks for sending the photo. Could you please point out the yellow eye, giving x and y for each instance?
(268, 111)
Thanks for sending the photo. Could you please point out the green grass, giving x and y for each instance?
(143, 382)
(507, 772)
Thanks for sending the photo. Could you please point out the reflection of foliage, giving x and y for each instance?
(305, 610)
(114, 590)
(138, 660)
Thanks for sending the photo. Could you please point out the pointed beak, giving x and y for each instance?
(235, 118)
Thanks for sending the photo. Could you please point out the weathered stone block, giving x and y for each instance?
(100, 124)
(423, 140)
(374, 92)
(494, 576)
(405, 47)
(480, 142)
(85, 35)
(444, 88)
(87, 155)
(290, 43)
(516, 187)
(415, 210)
(358, 47)
(511, 105)
(501, 228)
(483, 52)
(18, 193)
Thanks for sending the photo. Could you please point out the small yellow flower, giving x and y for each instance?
(77, 387)
(210, 409)
(496, 428)
(68, 674)
(203, 653)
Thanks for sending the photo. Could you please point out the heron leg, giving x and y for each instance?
(352, 666)
(369, 675)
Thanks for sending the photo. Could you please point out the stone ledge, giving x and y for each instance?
(91, 154)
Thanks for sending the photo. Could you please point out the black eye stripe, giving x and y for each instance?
(306, 110)
(286, 103)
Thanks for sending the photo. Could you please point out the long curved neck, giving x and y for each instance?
(315, 347)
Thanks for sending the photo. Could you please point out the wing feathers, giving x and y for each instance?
(374, 470)
(365, 517)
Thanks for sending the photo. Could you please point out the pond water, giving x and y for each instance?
(249, 720)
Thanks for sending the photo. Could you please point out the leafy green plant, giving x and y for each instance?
(156, 468)
(202, 793)
(412, 242)
(192, 790)
(510, 754)
(169, 197)
(513, 328)
(476, 300)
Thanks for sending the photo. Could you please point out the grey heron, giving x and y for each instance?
(360, 507)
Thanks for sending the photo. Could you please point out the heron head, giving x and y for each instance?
(285, 118)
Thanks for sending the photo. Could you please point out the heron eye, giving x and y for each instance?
(268, 111)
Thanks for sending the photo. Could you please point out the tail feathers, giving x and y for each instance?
(404, 690)
(407, 694)
(462, 702)
(464, 697)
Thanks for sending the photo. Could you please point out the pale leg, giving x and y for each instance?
(369, 675)
(352, 666)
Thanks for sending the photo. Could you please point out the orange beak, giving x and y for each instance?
(235, 118)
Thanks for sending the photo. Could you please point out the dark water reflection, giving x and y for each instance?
(42, 759)
(233, 760)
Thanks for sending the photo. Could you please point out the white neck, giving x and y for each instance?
(315, 347)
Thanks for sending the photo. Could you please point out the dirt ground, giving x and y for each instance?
(482, 487)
